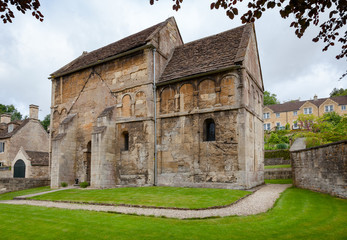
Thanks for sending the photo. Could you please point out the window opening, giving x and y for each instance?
(209, 130)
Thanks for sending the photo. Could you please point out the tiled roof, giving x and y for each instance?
(131, 42)
(38, 158)
(208, 54)
(295, 105)
(20, 124)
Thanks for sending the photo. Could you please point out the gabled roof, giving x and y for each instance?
(20, 124)
(296, 105)
(92, 58)
(208, 54)
(38, 158)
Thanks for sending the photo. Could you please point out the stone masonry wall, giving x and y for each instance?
(16, 184)
(322, 168)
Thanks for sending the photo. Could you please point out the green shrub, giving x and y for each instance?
(84, 184)
(282, 146)
(313, 142)
(63, 184)
(278, 154)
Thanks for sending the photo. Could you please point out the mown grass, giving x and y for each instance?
(150, 196)
(279, 181)
(11, 195)
(298, 214)
(277, 166)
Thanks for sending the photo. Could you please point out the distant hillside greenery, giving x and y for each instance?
(329, 128)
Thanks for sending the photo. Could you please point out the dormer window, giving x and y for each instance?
(308, 110)
(329, 108)
(266, 115)
(10, 128)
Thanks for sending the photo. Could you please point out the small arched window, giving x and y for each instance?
(209, 130)
(125, 141)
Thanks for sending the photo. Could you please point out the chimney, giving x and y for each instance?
(315, 97)
(5, 118)
(33, 111)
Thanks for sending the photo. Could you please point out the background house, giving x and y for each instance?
(278, 115)
(27, 134)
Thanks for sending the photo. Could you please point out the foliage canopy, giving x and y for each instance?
(10, 109)
(6, 13)
(270, 99)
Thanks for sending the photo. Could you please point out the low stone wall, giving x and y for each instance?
(322, 168)
(276, 161)
(5, 172)
(16, 184)
(278, 173)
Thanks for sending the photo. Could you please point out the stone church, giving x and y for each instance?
(149, 109)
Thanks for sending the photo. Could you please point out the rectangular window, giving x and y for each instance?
(295, 113)
(0, 164)
(278, 124)
(308, 110)
(343, 107)
(329, 108)
(295, 125)
(278, 115)
(2, 147)
(266, 126)
(266, 115)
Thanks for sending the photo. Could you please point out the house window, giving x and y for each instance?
(329, 108)
(295, 113)
(209, 130)
(295, 125)
(343, 107)
(0, 164)
(278, 124)
(125, 141)
(278, 115)
(266, 126)
(308, 110)
(2, 147)
(266, 115)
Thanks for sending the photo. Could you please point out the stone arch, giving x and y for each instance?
(228, 91)
(186, 97)
(167, 100)
(126, 105)
(207, 93)
(140, 104)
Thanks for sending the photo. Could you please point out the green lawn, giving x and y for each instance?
(277, 166)
(11, 195)
(279, 181)
(298, 214)
(150, 196)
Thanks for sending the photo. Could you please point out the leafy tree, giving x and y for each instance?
(46, 122)
(10, 109)
(338, 92)
(303, 13)
(6, 13)
(307, 121)
(270, 99)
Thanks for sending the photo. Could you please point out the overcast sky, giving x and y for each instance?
(31, 50)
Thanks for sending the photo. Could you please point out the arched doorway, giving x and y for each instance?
(19, 169)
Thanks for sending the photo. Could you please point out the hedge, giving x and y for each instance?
(277, 154)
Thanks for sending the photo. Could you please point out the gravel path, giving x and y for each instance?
(258, 202)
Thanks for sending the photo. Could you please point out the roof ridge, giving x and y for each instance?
(210, 36)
